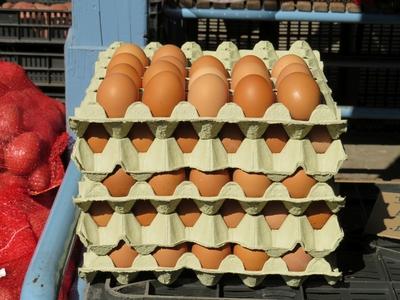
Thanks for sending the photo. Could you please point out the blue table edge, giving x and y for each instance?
(43, 278)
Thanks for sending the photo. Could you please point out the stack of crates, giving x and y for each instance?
(128, 226)
(32, 34)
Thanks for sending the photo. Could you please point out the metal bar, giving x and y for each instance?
(354, 112)
(46, 268)
(352, 62)
(265, 15)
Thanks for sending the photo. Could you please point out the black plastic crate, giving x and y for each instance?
(44, 69)
(34, 26)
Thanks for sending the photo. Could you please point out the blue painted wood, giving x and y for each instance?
(125, 21)
(101, 22)
(86, 22)
(138, 24)
(79, 69)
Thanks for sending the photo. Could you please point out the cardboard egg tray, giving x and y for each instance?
(210, 230)
(92, 191)
(167, 230)
(93, 263)
(326, 113)
(253, 155)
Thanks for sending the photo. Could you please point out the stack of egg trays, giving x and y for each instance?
(253, 156)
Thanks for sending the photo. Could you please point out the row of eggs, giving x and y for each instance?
(296, 260)
(209, 184)
(164, 84)
(231, 137)
(231, 211)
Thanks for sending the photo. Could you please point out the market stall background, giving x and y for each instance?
(362, 60)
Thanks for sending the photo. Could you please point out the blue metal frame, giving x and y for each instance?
(267, 15)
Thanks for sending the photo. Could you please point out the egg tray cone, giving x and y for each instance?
(252, 232)
(92, 191)
(326, 113)
(252, 155)
(93, 264)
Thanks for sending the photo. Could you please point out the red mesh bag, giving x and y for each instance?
(32, 133)
(32, 140)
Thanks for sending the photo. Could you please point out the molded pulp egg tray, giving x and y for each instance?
(253, 155)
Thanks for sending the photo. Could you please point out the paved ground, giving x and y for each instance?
(371, 158)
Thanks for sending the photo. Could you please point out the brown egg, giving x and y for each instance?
(207, 70)
(318, 213)
(209, 183)
(123, 255)
(232, 213)
(176, 62)
(253, 260)
(126, 58)
(320, 138)
(293, 68)
(284, 61)
(119, 183)
(134, 50)
(297, 260)
(188, 212)
(169, 50)
(168, 257)
(275, 214)
(231, 137)
(141, 137)
(101, 213)
(248, 65)
(144, 212)
(299, 184)
(253, 184)
(186, 137)
(276, 138)
(207, 61)
(211, 258)
(97, 137)
(300, 94)
(164, 184)
(115, 93)
(208, 94)
(163, 93)
(127, 70)
(159, 67)
(254, 95)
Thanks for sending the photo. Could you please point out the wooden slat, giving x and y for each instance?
(186, 3)
(320, 6)
(253, 4)
(271, 5)
(203, 4)
(352, 7)
(237, 5)
(288, 5)
(219, 5)
(337, 7)
(304, 5)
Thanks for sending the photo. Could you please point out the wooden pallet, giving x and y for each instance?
(285, 5)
